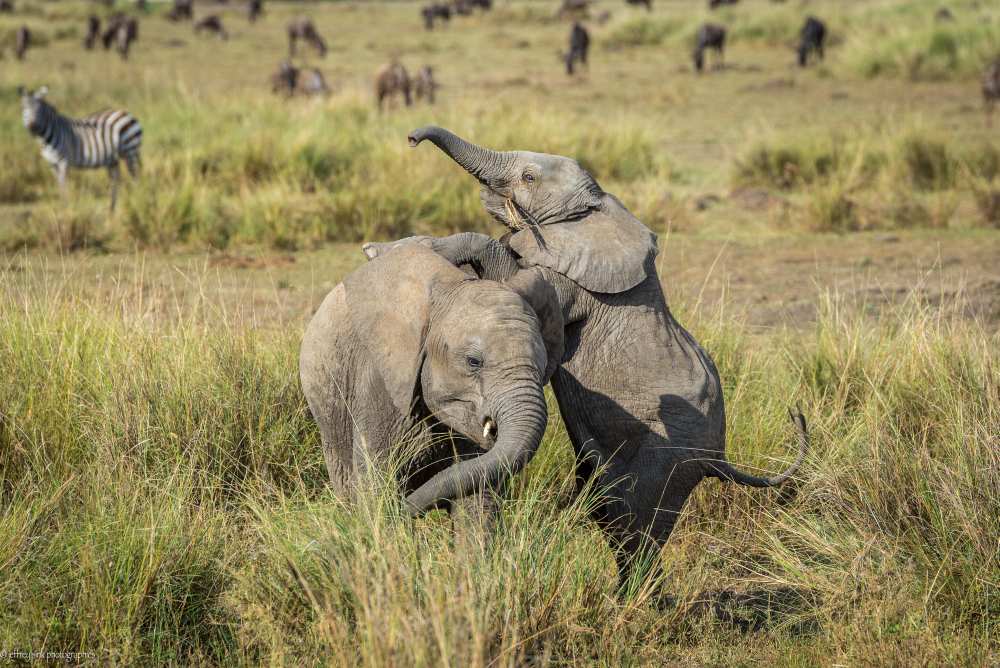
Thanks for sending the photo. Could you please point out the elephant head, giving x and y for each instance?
(560, 216)
(476, 353)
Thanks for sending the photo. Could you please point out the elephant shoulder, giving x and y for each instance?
(608, 251)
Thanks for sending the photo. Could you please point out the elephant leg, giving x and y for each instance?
(643, 505)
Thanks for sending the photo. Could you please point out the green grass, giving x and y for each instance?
(163, 501)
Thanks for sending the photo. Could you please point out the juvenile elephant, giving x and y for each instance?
(641, 400)
(408, 348)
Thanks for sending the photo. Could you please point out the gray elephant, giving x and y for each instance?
(641, 400)
(410, 351)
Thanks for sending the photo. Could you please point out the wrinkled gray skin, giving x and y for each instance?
(410, 348)
(641, 400)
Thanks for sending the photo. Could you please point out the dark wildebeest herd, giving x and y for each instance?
(392, 81)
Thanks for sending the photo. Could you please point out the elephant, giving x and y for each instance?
(411, 352)
(641, 400)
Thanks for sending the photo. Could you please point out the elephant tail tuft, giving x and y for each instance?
(723, 470)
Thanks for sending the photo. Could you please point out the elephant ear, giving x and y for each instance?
(608, 251)
(542, 297)
(389, 300)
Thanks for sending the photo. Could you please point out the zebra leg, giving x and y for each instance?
(115, 175)
(134, 163)
(60, 169)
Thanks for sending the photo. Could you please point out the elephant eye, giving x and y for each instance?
(528, 177)
(475, 363)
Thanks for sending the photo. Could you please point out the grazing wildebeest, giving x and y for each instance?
(648, 4)
(285, 79)
(93, 32)
(6, 7)
(22, 42)
(710, 36)
(303, 28)
(435, 12)
(390, 79)
(811, 38)
(712, 4)
(579, 44)
(991, 89)
(212, 24)
(424, 84)
(944, 15)
(254, 10)
(311, 82)
(466, 7)
(182, 10)
(127, 33)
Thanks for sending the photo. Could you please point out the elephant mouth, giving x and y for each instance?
(489, 433)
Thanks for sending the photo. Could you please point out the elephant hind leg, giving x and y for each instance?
(640, 515)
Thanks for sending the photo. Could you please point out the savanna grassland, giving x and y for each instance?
(830, 235)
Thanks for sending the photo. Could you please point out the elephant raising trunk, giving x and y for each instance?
(482, 163)
(520, 424)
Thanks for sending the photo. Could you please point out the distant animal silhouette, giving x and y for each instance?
(390, 80)
(435, 12)
(255, 8)
(22, 42)
(181, 11)
(811, 39)
(710, 36)
(303, 28)
(579, 44)
(648, 4)
(714, 4)
(424, 85)
(211, 24)
(93, 32)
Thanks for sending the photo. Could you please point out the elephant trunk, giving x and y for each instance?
(483, 163)
(520, 422)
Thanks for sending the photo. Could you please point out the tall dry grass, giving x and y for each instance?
(163, 501)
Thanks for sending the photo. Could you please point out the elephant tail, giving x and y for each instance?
(723, 470)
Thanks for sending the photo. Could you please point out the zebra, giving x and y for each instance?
(99, 140)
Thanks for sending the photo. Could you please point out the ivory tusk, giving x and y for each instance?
(487, 428)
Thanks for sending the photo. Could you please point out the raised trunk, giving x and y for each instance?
(520, 426)
(483, 163)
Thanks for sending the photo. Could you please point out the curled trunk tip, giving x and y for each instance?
(420, 134)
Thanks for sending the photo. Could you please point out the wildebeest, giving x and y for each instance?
(6, 6)
(93, 32)
(303, 28)
(466, 7)
(311, 82)
(712, 4)
(991, 89)
(424, 85)
(578, 8)
(22, 42)
(435, 12)
(212, 24)
(285, 79)
(391, 79)
(182, 9)
(254, 10)
(648, 4)
(120, 31)
(710, 36)
(579, 44)
(811, 38)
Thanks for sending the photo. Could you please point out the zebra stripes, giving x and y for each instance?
(100, 140)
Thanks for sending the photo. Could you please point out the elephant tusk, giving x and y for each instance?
(489, 428)
(516, 223)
